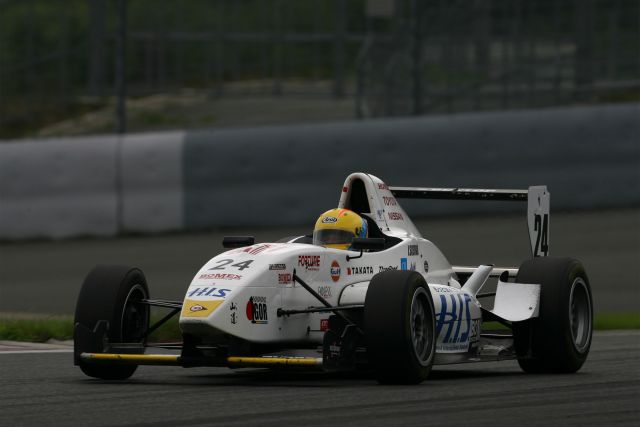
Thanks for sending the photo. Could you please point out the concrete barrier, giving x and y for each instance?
(588, 156)
(58, 188)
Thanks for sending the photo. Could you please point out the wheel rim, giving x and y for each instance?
(580, 314)
(135, 316)
(421, 324)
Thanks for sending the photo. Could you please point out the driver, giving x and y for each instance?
(336, 228)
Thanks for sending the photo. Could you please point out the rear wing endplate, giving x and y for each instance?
(537, 198)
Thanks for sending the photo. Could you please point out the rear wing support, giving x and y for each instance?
(537, 198)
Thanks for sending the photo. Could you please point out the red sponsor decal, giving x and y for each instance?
(382, 186)
(395, 216)
(220, 276)
(284, 278)
(335, 271)
(389, 201)
(345, 189)
(310, 262)
(324, 325)
(255, 250)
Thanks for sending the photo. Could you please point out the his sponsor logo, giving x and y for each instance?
(453, 322)
(382, 186)
(256, 249)
(197, 307)
(324, 291)
(426, 266)
(208, 292)
(324, 325)
(412, 250)
(233, 315)
(329, 220)
(403, 264)
(285, 278)
(395, 216)
(335, 271)
(412, 267)
(379, 213)
(277, 267)
(220, 276)
(382, 268)
(365, 269)
(257, 310)
(310, 262)
(345, 189)
(389, 201)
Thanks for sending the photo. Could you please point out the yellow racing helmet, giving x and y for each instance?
(336, 228)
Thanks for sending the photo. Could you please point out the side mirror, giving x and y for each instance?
(237, 241)
(370, 243)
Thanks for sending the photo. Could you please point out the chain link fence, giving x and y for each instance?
(60, 58)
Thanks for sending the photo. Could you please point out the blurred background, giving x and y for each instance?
(140, 132)
(200, 63)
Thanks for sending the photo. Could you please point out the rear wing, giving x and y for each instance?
(537, 198)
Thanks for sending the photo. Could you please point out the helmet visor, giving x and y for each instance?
(332, 237)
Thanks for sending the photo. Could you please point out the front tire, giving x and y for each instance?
(112, 294)
(400, 327)
(559, 339)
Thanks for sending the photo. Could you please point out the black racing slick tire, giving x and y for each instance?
(111, 294)
(559, 339)
(399, 327)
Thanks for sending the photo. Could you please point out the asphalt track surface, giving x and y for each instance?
(45, 277)
(45, 388)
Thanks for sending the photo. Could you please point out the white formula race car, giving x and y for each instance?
(393, 304)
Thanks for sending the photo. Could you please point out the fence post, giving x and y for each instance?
(339, 48)
(584, 40)
(97, 18)
(416, 56)
(120, 71)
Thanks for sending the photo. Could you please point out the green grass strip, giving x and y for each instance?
(44, 328)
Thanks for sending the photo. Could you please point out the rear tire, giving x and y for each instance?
(558, 340)
(400, 327)
(112, 294)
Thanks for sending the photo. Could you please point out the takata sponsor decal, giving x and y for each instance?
(365, 269)
(395, 216)
(285, 278)
(324, 325)
(387, 268)
(219, 276)
(335, 271)
(310, 262)
(257, 310)
(426, 266)
(329, 220)
(256, 249)
(453, 323)
(277, 267)
(389, 201)
(382, 186)
(324, 291)
(412, 250)
(403, 264)
(208, 292)
(191, 308)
